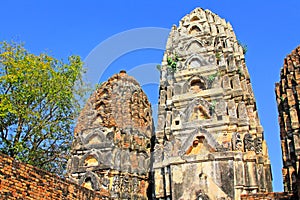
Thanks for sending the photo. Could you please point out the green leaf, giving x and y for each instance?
(39, 99)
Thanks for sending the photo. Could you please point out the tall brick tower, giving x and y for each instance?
(209, 140)
(111, 148)
(288, 96)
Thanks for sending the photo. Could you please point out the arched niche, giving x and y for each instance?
(189, 110)
(197, 85)
(196, 146)
(196, 61)
(194, 18)
(194, 46)
(88, 183)
(90, 180)
(95, 138)
(194, 30)
(199, 113)
(89, 160)
(193, 83)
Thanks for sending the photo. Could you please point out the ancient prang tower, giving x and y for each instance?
(209, 140)
(111, 148)
(208, 143)
(288, 96)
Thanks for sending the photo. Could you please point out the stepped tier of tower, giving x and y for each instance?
(209, 138)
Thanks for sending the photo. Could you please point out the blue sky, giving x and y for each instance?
(61, 28)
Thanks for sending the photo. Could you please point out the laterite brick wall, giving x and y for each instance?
(268, 196)
(22, 181)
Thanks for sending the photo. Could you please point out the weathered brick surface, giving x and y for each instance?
(111, 148)
(210, 143)
(287, 95)
(22, 181)
(267, 196)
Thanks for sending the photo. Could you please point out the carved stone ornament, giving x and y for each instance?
(249, 142)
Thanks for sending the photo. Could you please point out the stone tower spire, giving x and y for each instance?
(288, 96)
(209, 140)
(111, 148)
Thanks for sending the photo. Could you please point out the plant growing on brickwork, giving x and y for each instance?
(172, 62)
(218, 56)
(282, 98)
(98, 85)
(212, 107)
(158, 67)
(211, 78)
(244, 47)
(39, 100)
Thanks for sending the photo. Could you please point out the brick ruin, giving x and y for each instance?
(26, 182)
(111, 148)
(287, 96)
(208, 144)
(209, 138)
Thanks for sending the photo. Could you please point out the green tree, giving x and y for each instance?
(39, 100)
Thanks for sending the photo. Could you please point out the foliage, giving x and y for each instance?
(158, 67)
(212, 107)
(244, 47)
(211, 78)
(98, 85)
(218, 56)
(172, 62)
(39, 99)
